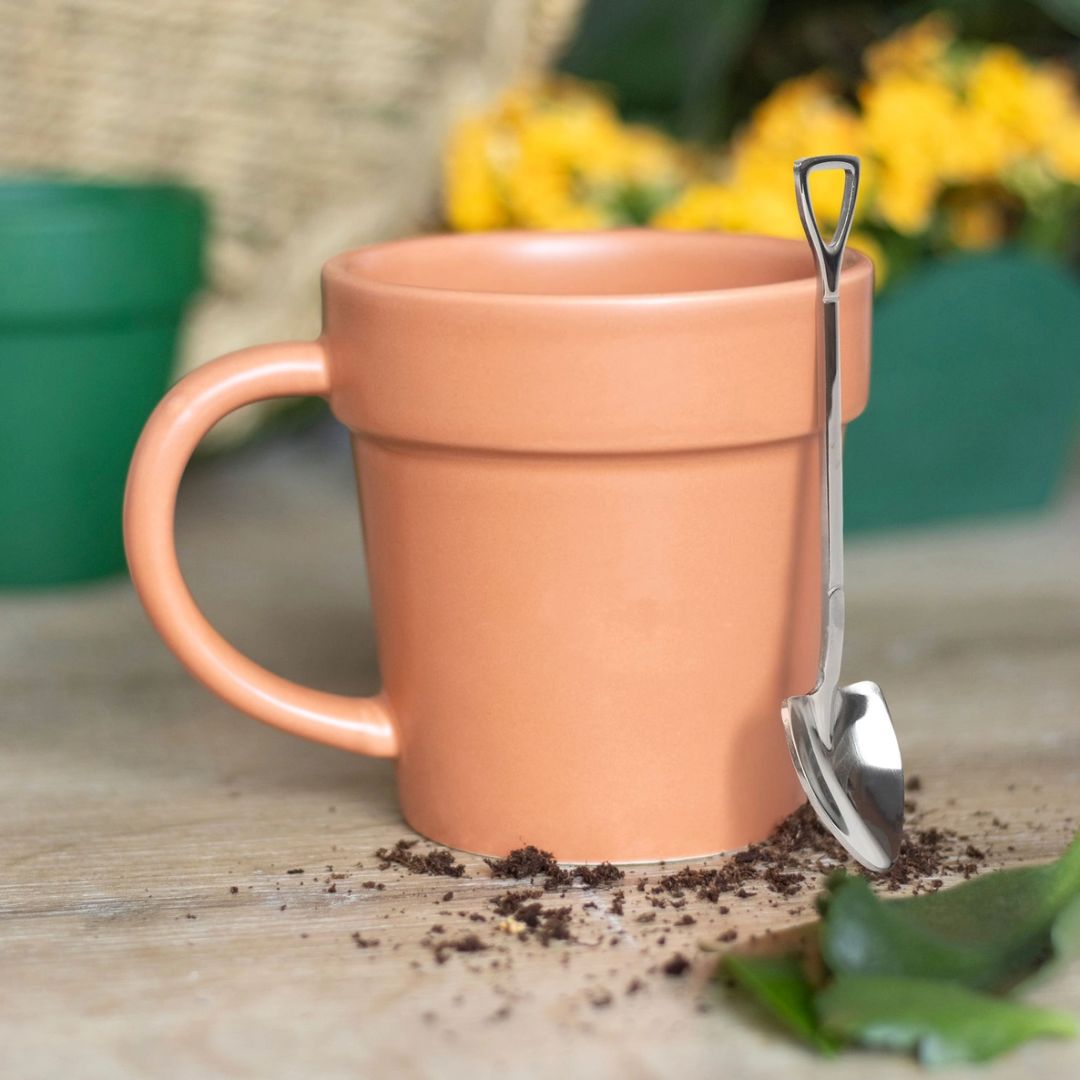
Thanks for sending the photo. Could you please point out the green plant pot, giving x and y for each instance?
(96, 279)
(975, 393)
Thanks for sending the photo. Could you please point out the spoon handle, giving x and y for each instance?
(829, 255)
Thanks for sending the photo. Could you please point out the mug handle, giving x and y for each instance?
(172, 433)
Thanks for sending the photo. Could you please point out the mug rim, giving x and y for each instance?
(346, 268)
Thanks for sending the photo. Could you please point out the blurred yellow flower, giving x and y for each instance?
(702, 206)
(906, 195)
(556, 156)
(1027, 102)
(473, 201)
(800, 118)
(982, 150)
(954, 142)
(976, 223)
(916, 48)
(910, 127)
(1063, 149)
(865, 243)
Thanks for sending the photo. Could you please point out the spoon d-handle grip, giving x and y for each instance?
(828, 253)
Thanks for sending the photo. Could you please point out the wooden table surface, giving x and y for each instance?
(148, 923)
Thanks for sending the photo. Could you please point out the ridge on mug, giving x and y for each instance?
(588, 472)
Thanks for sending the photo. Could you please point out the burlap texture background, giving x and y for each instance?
(313, 125)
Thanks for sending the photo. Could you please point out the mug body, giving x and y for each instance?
(588, 468)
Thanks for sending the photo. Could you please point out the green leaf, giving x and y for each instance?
(780, 986)
(1064, 945)
(943, 1023)
(986, 934)
(1065, 12)
(671, 64)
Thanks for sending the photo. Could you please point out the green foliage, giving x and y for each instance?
(942, 1023)
(779, 984)
(669, 64)
(919, 974)
(986, 934)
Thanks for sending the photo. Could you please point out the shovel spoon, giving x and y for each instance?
(841, 738)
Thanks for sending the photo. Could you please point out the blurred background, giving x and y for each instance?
(175, 174)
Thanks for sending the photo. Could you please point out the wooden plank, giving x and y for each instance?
(132, 804)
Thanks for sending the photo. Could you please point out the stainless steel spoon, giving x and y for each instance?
(841, 737)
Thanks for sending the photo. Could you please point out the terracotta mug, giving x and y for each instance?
(588, 474)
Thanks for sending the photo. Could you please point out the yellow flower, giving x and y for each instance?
(982, 149)
(701, 205)
(1005, 87)
(925, 137)
(1034, 106)
(556, 155)
(473, 199)
(869, 246)
(976, 224)
(567, 128)
(914, 48)
(632, 154)
(905, 196)
(800, 118)
(1063, 149)
(937, 128)
(905, 115)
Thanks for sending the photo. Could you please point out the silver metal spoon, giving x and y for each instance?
(841, 737)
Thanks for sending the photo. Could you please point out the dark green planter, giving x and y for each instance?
(975, 393)
(96, 280)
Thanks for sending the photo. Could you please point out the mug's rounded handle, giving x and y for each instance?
(170, 437)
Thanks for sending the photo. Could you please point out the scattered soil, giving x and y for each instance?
(510, 901)
(599, 876)
(530, 862)
(800, 850)
(438, 862)
(470, 943)
(926, 854)
(793, 860)
(533, 862)
(525, 917)
(548, 924)
(676, 966)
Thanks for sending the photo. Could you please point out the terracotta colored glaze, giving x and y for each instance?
(589, 483)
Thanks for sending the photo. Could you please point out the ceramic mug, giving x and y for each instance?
(588, 475)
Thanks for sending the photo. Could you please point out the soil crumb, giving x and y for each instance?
(438, 862)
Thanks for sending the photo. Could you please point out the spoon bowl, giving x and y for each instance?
(855, 784)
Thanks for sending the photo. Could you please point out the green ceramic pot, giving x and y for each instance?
(96, 280)
(975, 393)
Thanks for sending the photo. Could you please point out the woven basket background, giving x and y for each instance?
(313, 125)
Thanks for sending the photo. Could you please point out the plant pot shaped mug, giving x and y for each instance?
(589, 481)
